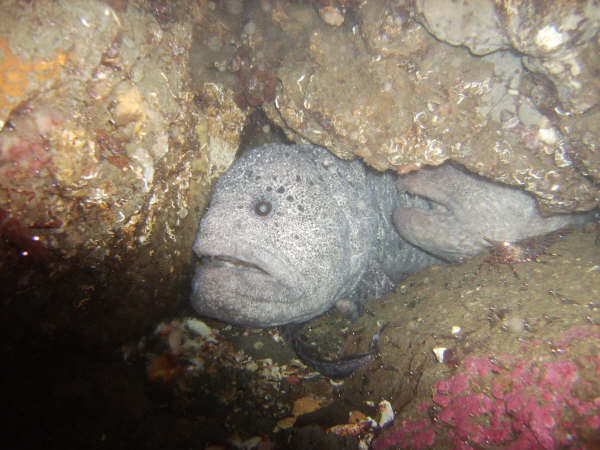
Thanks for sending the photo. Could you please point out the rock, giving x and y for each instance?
(503, 114)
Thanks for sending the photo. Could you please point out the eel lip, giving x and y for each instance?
(231, 261)
(244, 257)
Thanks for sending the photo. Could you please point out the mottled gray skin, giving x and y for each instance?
(465, 209)
(292, 231)
(328, 236)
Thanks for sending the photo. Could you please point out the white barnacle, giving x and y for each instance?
(550, 176)
(508, 119)
(434, 152)
(549, 38)
(561, 158)
(417, 119)
(558, 110)
(386, 413)
(504, 153)
(548, 135)
(518, 180)
(110, 11)
(299, 80)
(170, 232)
(439, 353)
(532, 174)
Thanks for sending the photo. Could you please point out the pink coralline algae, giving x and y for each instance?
(417, 434)
(24, 141)
(513, 402)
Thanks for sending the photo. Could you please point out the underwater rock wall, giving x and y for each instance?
(106, 150)
(117, 116)
(508, 93)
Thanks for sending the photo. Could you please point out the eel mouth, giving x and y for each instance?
(227, 261)
(250, 261)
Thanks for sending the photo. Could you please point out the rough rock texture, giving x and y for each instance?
(502, 100)
(556, 39)
(104, 148)
(116, 115)
(525, 404)
(108, 134)
(516, 360)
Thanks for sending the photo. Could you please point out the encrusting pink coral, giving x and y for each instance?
(511, 401)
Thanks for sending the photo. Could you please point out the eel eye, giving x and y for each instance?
(262, 208)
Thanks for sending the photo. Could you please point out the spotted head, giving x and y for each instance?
(277, 244)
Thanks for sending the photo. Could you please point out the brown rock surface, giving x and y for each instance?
(385, 89)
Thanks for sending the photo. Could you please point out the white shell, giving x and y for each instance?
(196, 326)
(439, 353)
(386, 413)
